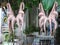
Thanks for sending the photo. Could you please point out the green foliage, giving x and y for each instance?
(31, 29)
(58, 2)
(58, 8)
(28, 3)
(7, 37)
(15, 4)
(10, 37)
(47, 4)
(15, 26)
(18, 2)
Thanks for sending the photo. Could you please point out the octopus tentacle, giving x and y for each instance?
(55, 26)
(41, 7)
(42, 17)
(11, 17)
(13, 21)
(22, 6)
(20, 16)
(46, 19)
(54, 7)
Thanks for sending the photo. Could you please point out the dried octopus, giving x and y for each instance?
(19, 19)
(11, 18)
(42, 17)
(51, 18)
(20, 16)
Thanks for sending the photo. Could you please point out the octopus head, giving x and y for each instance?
(41, 14)
(21, 12)
(55, 13)
(8, 5)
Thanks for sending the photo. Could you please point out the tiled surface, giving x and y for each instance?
(0, 44)
(43, 39)
(36, 41)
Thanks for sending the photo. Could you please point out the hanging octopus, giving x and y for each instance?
(11, 18)
(20, 16)
(42, 17)
(52, 18)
